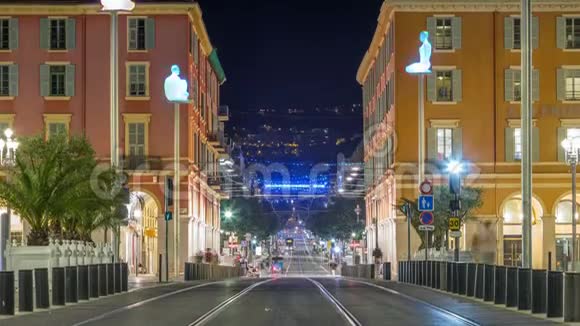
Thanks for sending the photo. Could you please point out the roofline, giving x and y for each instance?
(196, 15)
(93, 9)
(373, 50)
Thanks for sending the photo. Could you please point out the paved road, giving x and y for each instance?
(302, 262)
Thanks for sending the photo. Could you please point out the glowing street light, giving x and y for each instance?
(455, 167)
(228, 214)
(353, 234)
(8, 147)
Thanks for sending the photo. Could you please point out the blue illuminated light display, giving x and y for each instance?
(175, 87)
(295, 186)
(424, 64)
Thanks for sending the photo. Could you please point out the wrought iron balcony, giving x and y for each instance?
(224, 113)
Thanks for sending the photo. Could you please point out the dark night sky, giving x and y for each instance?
(298, 53)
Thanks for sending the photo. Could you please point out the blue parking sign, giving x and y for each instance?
(425, 203)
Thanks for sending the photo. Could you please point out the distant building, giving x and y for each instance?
(472, 114)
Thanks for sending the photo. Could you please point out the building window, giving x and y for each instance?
(57, 34)
(444, 143)
(444, 85)
(56, 129)
(517, 33)
(137, 33)
(4, 34)
(4, 80)
(517, 144)
(572, 85)
(572, 133)
(136, 139)
(57, 80)
(138, 80)
(443, 34)
(56, 124)
(573, 33)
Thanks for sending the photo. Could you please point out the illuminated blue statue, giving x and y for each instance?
(424, 64)
(175, 87)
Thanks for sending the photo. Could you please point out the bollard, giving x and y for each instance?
(159, 268)
(461, 278)
(539, 291)
(571, 297)
(186, 271)
(103, 280)
(511, 295)
(7, 293)
(555, 292)
(443, 275)
(438, 275)
(499, 285)
(449, 276)
(470, 285)
(118, 277)
(25, 290)
(524, 291)
(387, 271)
(41, 288)
(479, 271)
(83, 271)
(197, 272)
(110, 279)
(426, 274)
(58, 286)
(71, 284)
(93, 281)
(125, 277)
(488, 282)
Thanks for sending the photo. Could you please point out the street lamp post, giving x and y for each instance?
(572, 148)
(8, 147)
(455, 169)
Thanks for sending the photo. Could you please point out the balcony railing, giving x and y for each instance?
(142, 163)
(224, 113)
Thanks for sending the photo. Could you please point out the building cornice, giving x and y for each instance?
(85, 9)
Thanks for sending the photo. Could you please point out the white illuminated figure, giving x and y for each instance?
(117, 5)
(175, 87)
(424, 64)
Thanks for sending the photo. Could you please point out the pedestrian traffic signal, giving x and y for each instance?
(168, 216)
(455, 184)
(168, 191)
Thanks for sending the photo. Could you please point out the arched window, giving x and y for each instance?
(512, 211)
(564, 212)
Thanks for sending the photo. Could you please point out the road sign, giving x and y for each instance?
(454, 224)
(426, 187)
(426, 218)
(455, 234)
(425, 203)
(168, 216)
(426, 227)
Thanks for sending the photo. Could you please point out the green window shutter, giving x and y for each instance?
(431, 88)
(431, 144)
(13, 38)
(44, 80)
(457, 85)
(561, 32)
(13, 80)
(70, 80)
(44, 33)
(561, 137)
(536, 144)
(508, 32)
(457, 150)
(509, 144)
(535, 32)
(509, 85)
(456, 32)
(149, 33)
(71, 35)
(431, 27)
(561, 84)
(535, 85)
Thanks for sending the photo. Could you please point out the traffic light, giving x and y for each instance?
(168, 191)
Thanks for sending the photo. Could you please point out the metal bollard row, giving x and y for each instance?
(206, 272)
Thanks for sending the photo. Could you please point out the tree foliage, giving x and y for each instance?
(249, 215)
(470, 201)
(338, 221)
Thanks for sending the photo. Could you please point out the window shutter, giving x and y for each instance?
(535, 32)
(561, 84)
(70, 80)
(508, 32)
(431, 89)
(431, 27)
(509, 85)
(535, 85)
(561, 32)
(561, 137)
(509, 144)
(456, 32)
(431, 144)
(149, 33)
(457, 150)
(457, 87)
(536, 144)
(71, 35)
(13, 27)
(13, 80)
(44, 80)
(44, 34)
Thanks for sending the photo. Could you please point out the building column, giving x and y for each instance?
(499, 251)
(549, 239)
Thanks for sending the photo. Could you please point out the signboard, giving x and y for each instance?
(426, 187)
(426, 227)
(455, 234)
(425, 203)
(426, 218)
(454, 224)
(168, 216)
